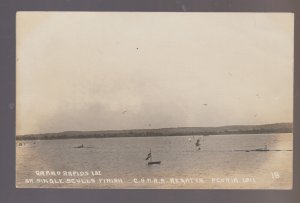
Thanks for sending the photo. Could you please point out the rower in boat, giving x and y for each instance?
(149, 156)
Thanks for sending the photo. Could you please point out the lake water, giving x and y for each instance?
(120, 162)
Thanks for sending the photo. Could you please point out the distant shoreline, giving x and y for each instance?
(180, 131)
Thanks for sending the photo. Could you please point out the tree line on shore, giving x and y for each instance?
(180, 131)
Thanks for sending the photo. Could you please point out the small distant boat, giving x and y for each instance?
(264, 149)
(154, 162)
(197, 143)
(149, 156)
(80, 146)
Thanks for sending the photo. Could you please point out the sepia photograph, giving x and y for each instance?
(154, 100)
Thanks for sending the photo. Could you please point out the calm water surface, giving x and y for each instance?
(218, 164)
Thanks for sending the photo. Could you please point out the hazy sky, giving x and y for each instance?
(101, 71)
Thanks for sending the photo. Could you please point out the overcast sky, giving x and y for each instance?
(102, 71)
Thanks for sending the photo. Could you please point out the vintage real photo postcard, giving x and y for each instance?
(133, 100)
